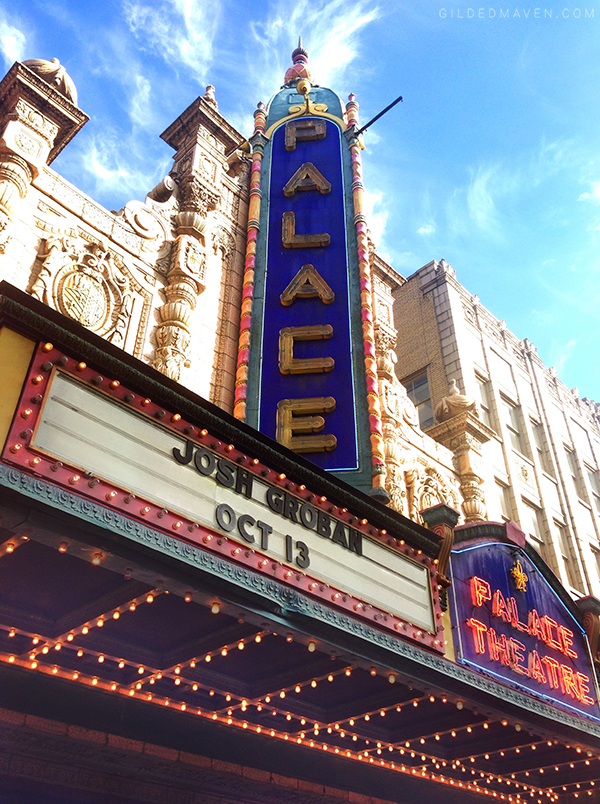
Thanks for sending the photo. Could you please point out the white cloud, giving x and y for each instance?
(474, 206)
(140, 110)
(479, 198)
(426, 229)
(562, 354)
(180, 31)
(12, 42)
(370, 138)
(329, 30)
(376, 215)
(594, 195)
(109, 162)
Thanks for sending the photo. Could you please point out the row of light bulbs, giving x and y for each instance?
(242, 703)
(307, 742)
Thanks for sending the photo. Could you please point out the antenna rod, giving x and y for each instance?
(377, 116)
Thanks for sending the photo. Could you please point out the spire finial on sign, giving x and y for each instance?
(299, 68)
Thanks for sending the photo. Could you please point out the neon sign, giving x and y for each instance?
(519, 629)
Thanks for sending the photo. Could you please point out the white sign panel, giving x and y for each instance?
(90, 431)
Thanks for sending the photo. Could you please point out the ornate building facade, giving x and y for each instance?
(170, 279)
(231, 564)
(162, 278)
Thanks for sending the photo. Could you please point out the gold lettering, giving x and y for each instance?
(303, 130)
(288, 364)
(307, 177)
(292, 240)
(307, 284)
(288, 425)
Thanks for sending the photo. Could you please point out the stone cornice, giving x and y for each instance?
(201, 114)
(20, 81)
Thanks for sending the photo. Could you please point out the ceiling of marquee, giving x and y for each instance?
(73, 609)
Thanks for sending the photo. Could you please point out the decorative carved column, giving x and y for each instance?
(398, 415)
(186, 279)
(201, 139)
(15, 178)
(38, 117)
(379, 490)
(257, 142)
(461, 430)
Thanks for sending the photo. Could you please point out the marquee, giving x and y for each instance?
(512, 624)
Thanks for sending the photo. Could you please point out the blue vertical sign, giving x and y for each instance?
(306, 388)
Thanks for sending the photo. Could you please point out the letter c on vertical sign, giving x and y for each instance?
(289, 425)
(288, 364)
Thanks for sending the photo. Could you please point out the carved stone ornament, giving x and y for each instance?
(87, 283)
(186, 281)
(412, 486)
(53, 73)
(454, 404)
(30, 134)
(145, 223)
(396, 406)
(15, 177)
(464, 434)
(196, 202)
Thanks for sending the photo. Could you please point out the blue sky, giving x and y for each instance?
(492, 162)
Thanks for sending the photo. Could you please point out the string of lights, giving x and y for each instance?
(310, 742)
(244, 704)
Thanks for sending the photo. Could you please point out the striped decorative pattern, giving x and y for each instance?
(375, 426)
(241, 378)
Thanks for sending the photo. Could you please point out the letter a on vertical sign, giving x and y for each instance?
(306, 362)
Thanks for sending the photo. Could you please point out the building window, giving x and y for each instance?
(512, 422)
(574, 471)
(503, 494)
(592, 475)
(531, 525)
(418, 393)
(566, 549)
(541, 447)
(485, 405)
(596, 554)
